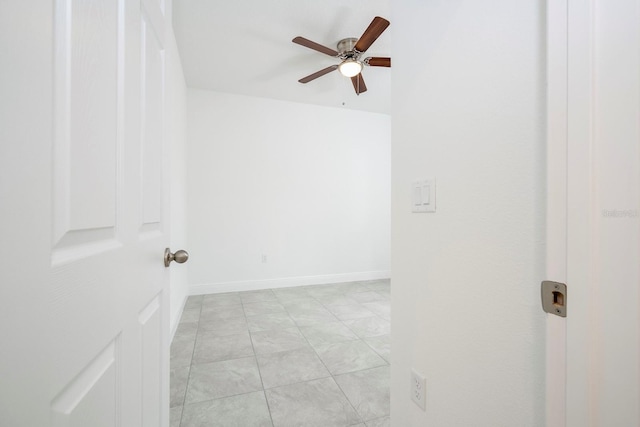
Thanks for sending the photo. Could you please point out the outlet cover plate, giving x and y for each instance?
(418, 389)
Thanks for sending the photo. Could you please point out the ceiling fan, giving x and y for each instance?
(349, 52)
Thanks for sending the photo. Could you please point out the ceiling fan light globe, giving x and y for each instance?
(350, 68)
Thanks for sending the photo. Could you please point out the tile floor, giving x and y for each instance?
(305, 356)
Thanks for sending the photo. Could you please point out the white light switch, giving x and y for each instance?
(417, 196)
(424, 195)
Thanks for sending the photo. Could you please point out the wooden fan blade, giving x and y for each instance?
(358, 84)
(315, 46)
(378, 62)
(318, 74)
(373, 31)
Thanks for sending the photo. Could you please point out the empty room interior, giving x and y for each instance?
(288, 225)
(245, 213)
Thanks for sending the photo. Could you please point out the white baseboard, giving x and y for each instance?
(285, 282)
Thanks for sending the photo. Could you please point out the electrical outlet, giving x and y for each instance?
(418, 389)
(264, 258)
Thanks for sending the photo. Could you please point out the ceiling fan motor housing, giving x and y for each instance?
(346, 48)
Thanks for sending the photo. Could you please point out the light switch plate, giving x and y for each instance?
(423, 196)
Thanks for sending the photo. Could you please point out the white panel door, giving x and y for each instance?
(99, 318)
(594, 196)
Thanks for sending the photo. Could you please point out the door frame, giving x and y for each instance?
(556, 209)
(574, 225)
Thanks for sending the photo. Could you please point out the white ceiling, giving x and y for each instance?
(244, 47)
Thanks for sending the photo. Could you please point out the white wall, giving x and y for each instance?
(307, 186)
(468, 109)
(176, 133)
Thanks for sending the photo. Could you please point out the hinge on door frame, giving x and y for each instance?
(554, 298)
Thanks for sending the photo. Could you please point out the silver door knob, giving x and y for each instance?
(180, 256)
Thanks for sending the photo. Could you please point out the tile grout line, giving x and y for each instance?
(195, 339)
(255, 356)
(362, 339)
(323, 364)
(332, 376)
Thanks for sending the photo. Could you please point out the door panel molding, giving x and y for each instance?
(97, 383)
(152, 135)
(86, 128)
